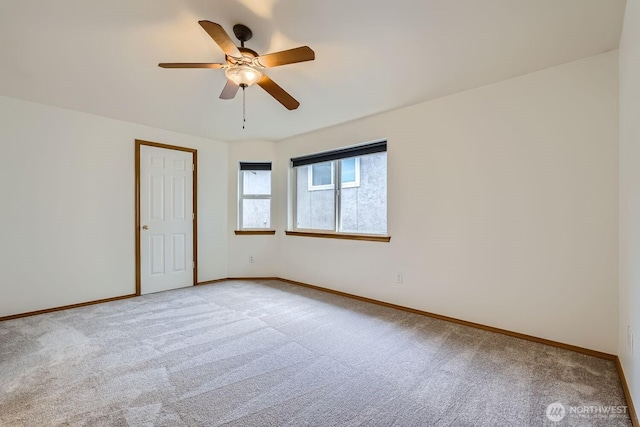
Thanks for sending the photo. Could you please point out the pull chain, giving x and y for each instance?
(244, 109)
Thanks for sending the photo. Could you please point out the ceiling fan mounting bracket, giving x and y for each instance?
(242, 32)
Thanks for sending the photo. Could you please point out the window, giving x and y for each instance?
(357, 205)
(321, 175)
(350, 172)
(254, 201)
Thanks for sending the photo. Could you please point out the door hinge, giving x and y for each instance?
(193, 215)
(194, 264)
(193, 167)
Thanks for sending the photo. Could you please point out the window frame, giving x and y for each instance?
(335, 156)
(248, 167)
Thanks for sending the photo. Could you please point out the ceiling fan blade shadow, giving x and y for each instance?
(278, 93)
(220, 36)
(291, 56)
(189, 65)
(229, 91)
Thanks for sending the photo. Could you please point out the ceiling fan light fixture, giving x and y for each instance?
(243, 75)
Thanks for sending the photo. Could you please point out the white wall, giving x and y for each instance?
(502, 207)
(67, 212)
(630, 196)
(261, 248)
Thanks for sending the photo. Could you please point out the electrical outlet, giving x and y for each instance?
(630, 339)
(251, 259)
(398, 277)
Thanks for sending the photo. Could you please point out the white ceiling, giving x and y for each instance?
(101, 57)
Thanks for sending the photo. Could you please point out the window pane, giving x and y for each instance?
(322, 173)
(314, 209)
(256, 182)
(363, 209)
(348, 170)
(256, 213)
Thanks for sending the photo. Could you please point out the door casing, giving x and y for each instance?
(194, 152)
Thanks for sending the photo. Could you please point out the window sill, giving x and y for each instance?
(345, 236)
(254, 232)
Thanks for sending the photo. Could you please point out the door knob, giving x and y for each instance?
(145, 227)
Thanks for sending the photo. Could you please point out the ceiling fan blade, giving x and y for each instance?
(189, 65)
(230, 90)
(291, 56)
(220, 36)
(278, 93)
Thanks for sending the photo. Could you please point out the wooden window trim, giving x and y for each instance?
(254, 232)
(344, 236)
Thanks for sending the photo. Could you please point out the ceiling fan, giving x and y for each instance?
(244, 66)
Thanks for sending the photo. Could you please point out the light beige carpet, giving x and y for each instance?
(267, 353)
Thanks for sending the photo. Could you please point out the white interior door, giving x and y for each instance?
(166, 219)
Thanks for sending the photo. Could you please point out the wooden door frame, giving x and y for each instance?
(194, 152)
